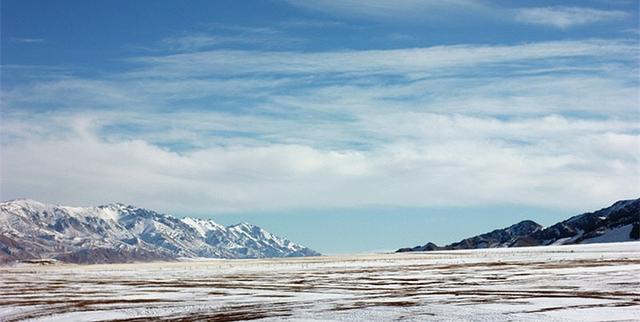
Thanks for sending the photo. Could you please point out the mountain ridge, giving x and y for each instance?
(618, 222)
(115, 232)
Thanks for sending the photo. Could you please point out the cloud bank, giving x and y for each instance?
(433, 160)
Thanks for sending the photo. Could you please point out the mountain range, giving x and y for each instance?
(617, 223)
(113, 233)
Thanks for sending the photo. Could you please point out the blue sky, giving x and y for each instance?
(345, 125)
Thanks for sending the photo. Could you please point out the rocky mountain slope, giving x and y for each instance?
(617, 223)
(119, 233)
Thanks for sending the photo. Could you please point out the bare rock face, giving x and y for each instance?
(618, 223)
(116, 233)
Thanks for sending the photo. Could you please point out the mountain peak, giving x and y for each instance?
(23, 201)
(527, 222)
(117, 206)
(526, 225)
(244, 225)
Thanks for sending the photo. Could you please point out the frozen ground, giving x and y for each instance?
(578, 282)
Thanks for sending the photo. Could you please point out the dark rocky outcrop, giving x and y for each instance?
(617, 223)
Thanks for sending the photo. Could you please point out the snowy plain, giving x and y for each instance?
(595, 282)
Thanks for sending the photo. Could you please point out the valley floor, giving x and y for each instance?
(580, 282)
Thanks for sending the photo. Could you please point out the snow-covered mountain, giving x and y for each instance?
(119, 233)
(617, 223)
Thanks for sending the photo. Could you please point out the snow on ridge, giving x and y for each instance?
(611, 235)
(126, 232)
(25, 203)
(202, 226)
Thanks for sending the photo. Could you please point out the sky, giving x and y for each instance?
(347, 126)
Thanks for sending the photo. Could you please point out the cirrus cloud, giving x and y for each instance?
(566, 17)
(546, 124)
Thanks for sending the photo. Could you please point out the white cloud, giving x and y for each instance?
(28, 40)
(198, 41)
(566, 17)
(314, 23)
(425, 11)
(217, 35)
(432, 160)
(392, 9)
(192, 42)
